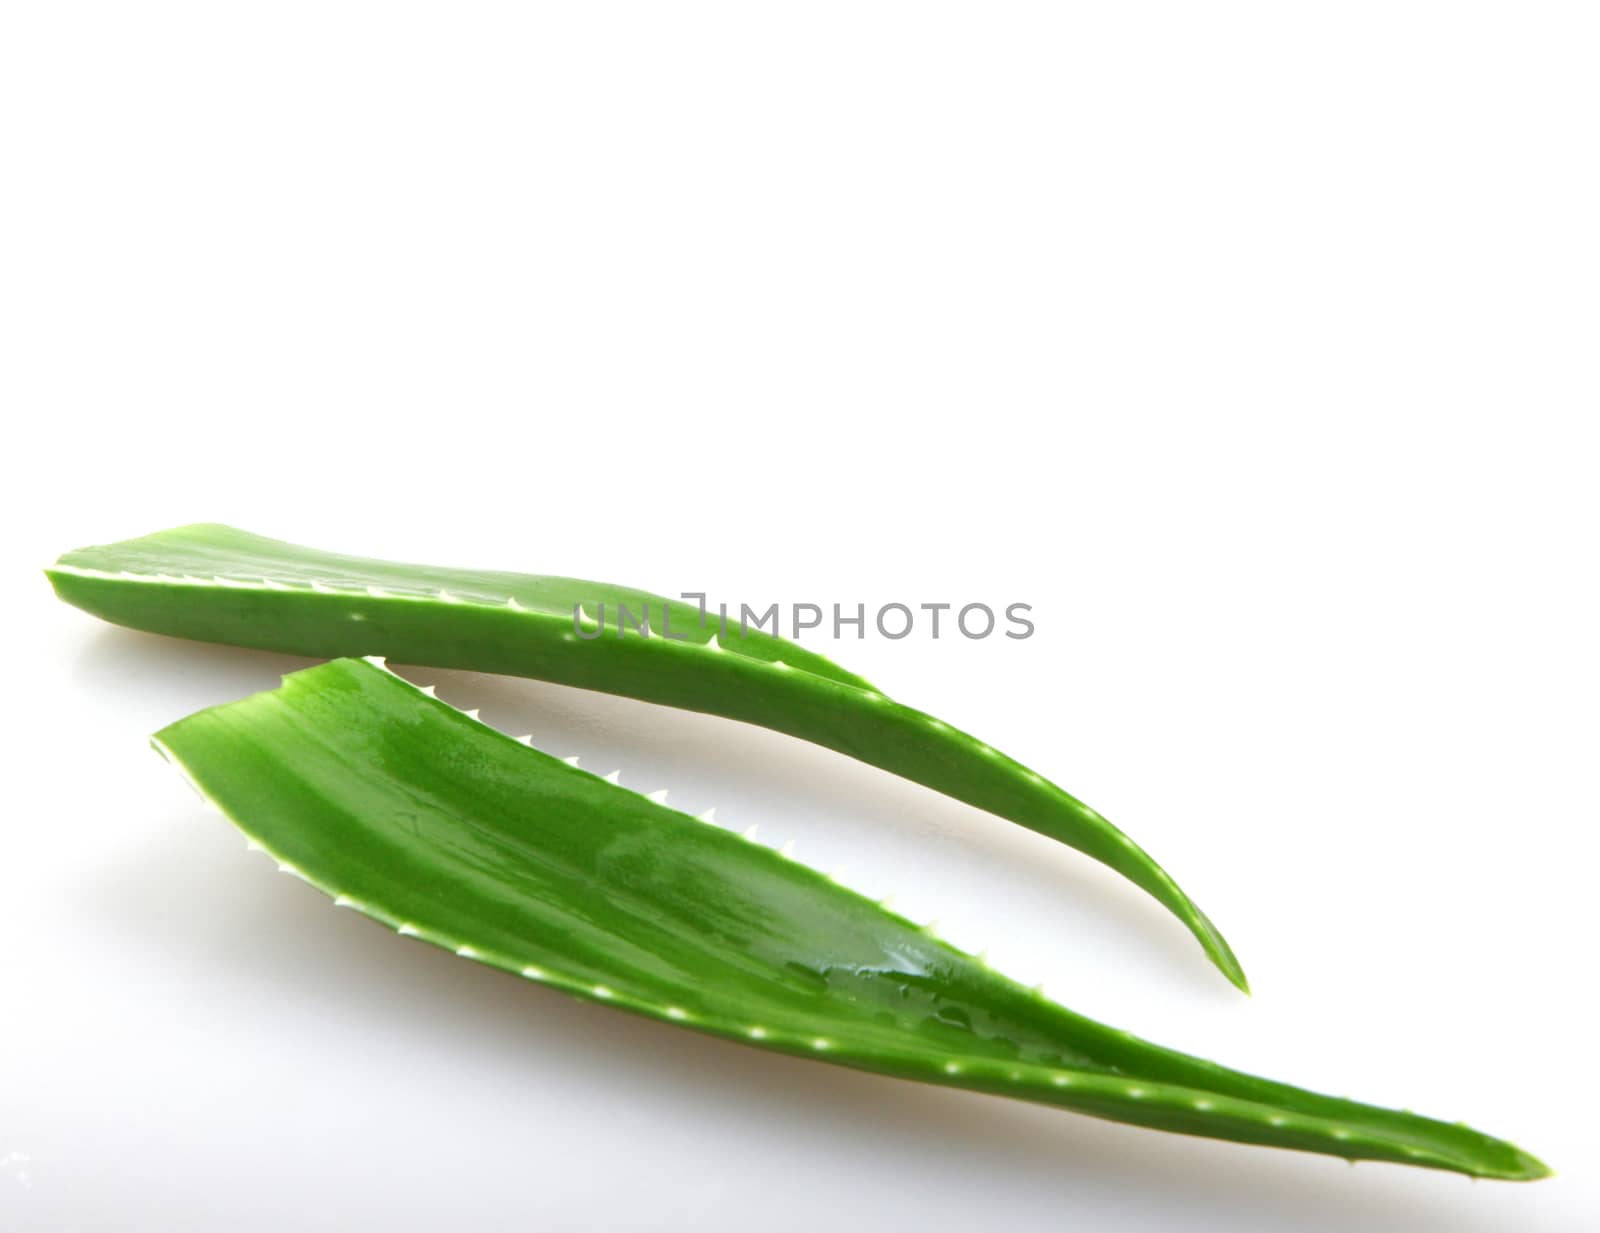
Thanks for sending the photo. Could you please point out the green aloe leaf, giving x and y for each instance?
(441, 828)
(218, 584)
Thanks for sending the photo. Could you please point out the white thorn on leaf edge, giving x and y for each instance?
(659, 796)
(787, 850)
(572, 762)
(749, 832)
(615, 777)
(710, 815)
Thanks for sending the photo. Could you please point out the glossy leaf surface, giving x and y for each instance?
(435, 825)
(219, 584)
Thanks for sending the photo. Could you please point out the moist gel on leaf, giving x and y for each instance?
(438, 827)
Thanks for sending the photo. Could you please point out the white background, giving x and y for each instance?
(1252, 344)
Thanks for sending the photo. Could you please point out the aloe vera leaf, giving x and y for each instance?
(219, 584)
(435, 825)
